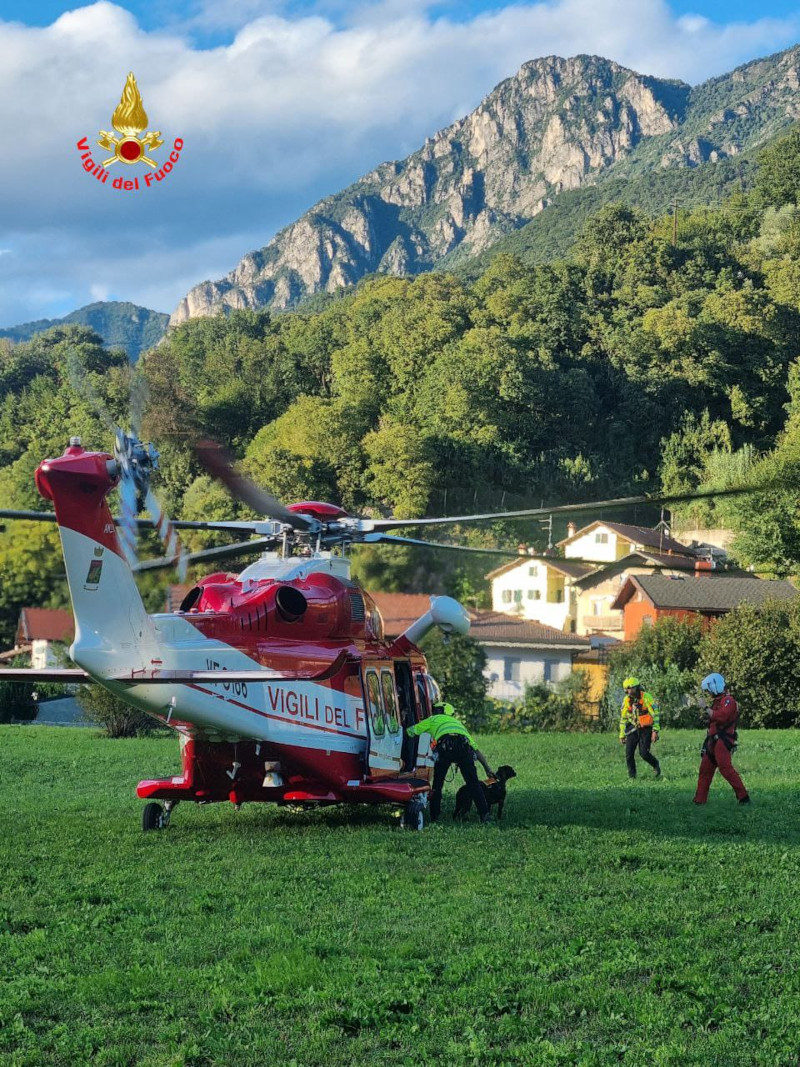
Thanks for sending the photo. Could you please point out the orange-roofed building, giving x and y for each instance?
(43, 634)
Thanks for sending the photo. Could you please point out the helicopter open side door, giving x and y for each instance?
(383, 718)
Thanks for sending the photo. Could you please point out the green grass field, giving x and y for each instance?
(603, 922)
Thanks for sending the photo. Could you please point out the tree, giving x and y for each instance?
(457, 663)
(664, 657)
(778, 175)
(117, 718)
(757, 650)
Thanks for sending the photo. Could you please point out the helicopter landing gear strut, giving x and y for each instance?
(154, 817)
(413, 818)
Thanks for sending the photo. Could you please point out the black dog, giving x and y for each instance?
(494, 791)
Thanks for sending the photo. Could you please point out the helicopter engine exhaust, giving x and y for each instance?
(290, 603)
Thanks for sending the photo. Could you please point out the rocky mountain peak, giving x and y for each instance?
(556, 124)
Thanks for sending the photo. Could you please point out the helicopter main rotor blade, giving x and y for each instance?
(393, 539)
(35, 516)
(219, 464)
(234, 525)
(571, 509)
(241, 548)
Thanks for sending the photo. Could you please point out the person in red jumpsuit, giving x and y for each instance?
(720, 741)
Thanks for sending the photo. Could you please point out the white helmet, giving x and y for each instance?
(713, 684)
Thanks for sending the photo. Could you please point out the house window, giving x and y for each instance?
(558, 596)
(597, 607)
(647, 620)
(511, 668)
(533, 572)
(601, 538)
(517, 596)
(550, 670)
(506, 596)
(534, 594)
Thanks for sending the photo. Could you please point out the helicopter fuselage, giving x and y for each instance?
(279, 680)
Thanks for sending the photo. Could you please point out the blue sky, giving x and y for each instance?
(279, 104)
(157, 14)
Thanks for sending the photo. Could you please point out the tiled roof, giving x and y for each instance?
(640, 558)
(175, 595)
(46, 624)
(563, 566)
(570, 568)
(646, 536)
(495, 627)
(717, 594)
(399, 610)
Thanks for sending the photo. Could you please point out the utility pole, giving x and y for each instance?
(675, 222)
(548, 525)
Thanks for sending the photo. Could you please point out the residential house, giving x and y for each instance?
(537, 590)
(607, 542)
(645, 598)
(621, 549)
(594, 664)
(596, 592)
(399, 610)
(518, 651)
(521, 652)
(44, 634)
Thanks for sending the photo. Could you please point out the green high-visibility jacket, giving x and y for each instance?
(642, 714)
(438, 726)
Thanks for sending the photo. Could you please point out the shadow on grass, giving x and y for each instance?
(649, 807)
(652, 808)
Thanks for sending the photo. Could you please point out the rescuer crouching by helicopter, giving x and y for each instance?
(638, 725)
(452, 743)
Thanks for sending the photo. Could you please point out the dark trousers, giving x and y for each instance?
(456, 749)
(640, 739)
(717, 758)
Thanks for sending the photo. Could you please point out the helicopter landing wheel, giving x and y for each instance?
(413, 818)
(154, 817)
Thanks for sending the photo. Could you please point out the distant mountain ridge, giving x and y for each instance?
(119, 323)
(556, 125)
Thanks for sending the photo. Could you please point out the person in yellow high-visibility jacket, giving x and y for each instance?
(638, 725)
(452, 743)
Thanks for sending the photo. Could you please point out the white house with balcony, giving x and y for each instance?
(537, 590)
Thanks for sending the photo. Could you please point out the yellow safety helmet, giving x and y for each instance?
(631, 683)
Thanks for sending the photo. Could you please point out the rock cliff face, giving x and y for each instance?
(557, 124)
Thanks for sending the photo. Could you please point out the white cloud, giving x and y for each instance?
(291, 109)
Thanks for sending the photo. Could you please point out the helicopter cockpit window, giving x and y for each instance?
(375, 706)
(390, 701)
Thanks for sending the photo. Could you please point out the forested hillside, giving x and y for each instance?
(637, 360)
(120, 324)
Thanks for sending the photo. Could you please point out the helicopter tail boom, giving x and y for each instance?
(111, 623)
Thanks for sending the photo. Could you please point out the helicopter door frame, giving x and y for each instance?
(384, 750)
(424, 755)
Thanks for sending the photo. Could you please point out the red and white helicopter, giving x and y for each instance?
(278, 680)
